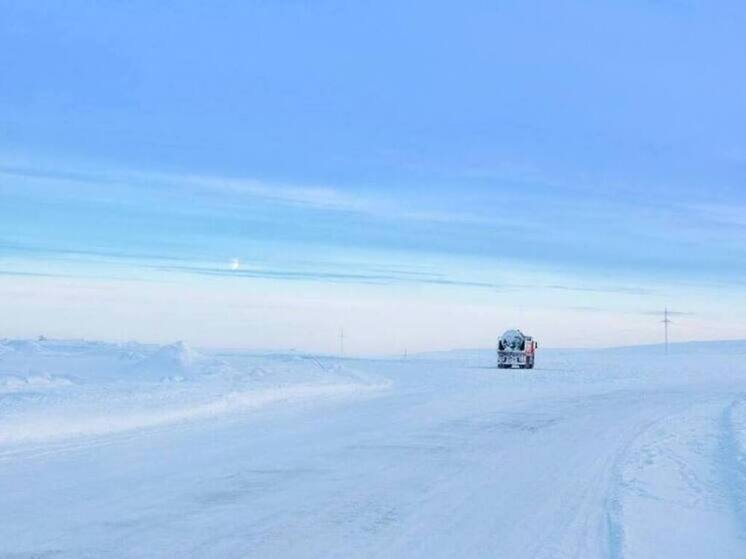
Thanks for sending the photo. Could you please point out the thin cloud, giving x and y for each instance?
(102, 255)
(380, 278)
(612, 289)
(670, 313)
(324, 198)
(383, 277)
(312, 197)
(333, 199)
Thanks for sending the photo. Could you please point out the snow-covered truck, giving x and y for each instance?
(516, 348)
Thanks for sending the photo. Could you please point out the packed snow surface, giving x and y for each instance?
(132, 450)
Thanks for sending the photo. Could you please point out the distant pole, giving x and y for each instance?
(341, 342)
(666, 322)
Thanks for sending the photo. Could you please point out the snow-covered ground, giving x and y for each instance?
(130, 450)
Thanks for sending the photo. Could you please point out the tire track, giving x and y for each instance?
(732, 461)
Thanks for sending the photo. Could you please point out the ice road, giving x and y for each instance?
(127, 450)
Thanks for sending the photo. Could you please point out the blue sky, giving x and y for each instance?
(422, 174)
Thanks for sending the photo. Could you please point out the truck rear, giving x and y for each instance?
(515, 349)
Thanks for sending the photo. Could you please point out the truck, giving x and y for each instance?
(514, 348)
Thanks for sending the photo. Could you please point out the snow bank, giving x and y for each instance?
(66, 423)
(52, 390)
(32, 383)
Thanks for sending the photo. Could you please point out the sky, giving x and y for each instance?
(420, 175)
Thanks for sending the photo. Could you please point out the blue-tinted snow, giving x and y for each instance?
(129, 450)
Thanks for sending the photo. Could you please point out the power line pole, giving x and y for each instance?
(666, 322)
(341, 342)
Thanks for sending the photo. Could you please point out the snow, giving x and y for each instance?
(136, 450)
(111, 388)
(512, 340)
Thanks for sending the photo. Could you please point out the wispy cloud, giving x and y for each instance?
(670, 313)
(589, 289)
(191, 216)
(139, 266)
(318, 197)
(391, 276)
(93, 184)
(26, 274)
(99, 255)
(326, 276)
(329, 198)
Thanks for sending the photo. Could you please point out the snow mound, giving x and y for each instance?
(170, 362)
(31, 383)
(20, 346)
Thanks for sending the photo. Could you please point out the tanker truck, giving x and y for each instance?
(515, 348)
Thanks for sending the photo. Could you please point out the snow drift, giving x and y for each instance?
(53, 390)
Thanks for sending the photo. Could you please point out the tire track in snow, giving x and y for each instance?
(614, 506)
(732, 460)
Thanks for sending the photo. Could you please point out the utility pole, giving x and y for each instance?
(666, 322)
(341, 342)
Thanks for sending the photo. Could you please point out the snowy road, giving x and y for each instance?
(593, 454)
